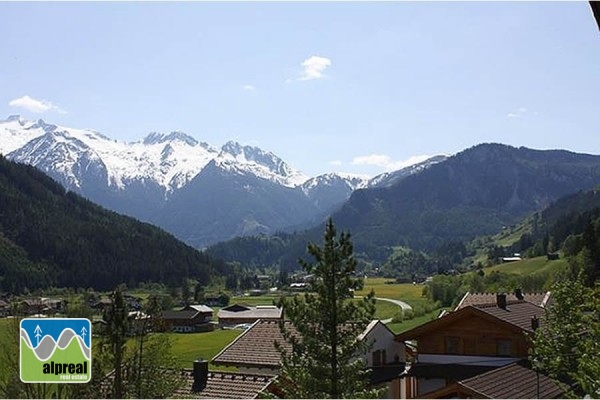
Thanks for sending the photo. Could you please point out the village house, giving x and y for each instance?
(237, 314)
(473, 340)
(42, 305)
(193, 318)
(254, 351)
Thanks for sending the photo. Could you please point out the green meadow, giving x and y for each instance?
(528, 266)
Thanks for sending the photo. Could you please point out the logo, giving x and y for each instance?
(56, 350)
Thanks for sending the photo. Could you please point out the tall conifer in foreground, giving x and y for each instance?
(324, 361)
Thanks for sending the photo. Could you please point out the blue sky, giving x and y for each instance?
(353, 87)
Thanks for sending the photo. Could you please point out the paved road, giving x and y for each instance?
(399, 303)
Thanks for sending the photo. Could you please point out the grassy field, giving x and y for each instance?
(399, 291)
(188, 347)
(528, 266)
(406, 325)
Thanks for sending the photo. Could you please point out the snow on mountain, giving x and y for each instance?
(15, 132)
(171, 160)
(194, 190)
(266, 165)
(352, 181)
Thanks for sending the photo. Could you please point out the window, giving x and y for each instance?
(377, 358)
(503, 347)
(452, 345)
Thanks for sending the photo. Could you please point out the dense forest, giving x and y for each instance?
(53, 237)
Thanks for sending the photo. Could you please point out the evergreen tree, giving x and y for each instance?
(117, 326)
(324, 361)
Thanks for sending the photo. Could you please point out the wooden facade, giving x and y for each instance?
(475, 336)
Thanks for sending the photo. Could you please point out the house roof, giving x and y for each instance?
(517, 317)
(509, 382)
(220, 385)
(200, 308)
(245, 312)
(224, 385)
(447, 371)
(256, 346)
(472, 299)
(517, 313)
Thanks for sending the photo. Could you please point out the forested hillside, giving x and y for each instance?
(51, 237)
(476, 192)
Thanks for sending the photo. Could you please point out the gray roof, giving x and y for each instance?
(249, 312)
(201, 308)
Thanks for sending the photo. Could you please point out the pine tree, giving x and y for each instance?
(117, 327)
(324, 361)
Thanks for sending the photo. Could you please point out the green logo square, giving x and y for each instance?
(56, 350)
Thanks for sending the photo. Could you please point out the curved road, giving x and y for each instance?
(399, 303)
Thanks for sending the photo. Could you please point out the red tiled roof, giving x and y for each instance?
(224, 385)
(474, 299)
(513, 382)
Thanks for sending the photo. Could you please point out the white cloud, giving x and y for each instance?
(249, 87)
(386, 162)
(335, 162)
(314, 67)
(517, 114)
(34, 105)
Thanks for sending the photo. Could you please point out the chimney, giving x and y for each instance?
(200, 375)
(519, 294)
(535, 323)
(501, 300)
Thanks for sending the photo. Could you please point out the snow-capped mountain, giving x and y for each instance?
(199, 192)
(330, 190)
(266, 165)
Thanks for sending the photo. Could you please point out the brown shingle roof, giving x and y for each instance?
(518, 313)
(220, 385)
(224, 385)
(256, 346)
(513, 382)
(517, 317)
(473, 299)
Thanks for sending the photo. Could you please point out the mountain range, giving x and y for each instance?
(478, 191)
(201, 193)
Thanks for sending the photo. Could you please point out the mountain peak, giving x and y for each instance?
(43, 125)
(232, 147)
(14, 117)
(156, 138)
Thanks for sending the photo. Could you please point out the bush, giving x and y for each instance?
(399, 317)
(408, 314)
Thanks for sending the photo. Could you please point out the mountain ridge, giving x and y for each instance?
(144, 178)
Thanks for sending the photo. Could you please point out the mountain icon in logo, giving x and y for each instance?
(55, 350)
